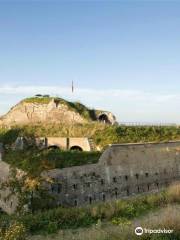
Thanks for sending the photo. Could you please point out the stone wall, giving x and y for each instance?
(7, 204)
(122, 170)
(81, 143)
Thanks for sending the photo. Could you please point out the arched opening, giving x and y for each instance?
(76, 148)
(103, 197)
(75, 203)
(116, 192)
(103, 118)
(53, 147)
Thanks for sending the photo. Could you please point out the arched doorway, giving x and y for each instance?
(53, 147)
(76, 148)
(103, 118)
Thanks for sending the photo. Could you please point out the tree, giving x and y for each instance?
(30, 191)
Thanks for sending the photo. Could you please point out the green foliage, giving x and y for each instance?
(40, 100)
(119, 212)
(102, 134)
(9, 136)
(15, 231)
(35, 161)
(52, 227)
(29, 191)
(127, 134)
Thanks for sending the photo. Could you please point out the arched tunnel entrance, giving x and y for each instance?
(53, 147)
(76, 148)
(103, 118)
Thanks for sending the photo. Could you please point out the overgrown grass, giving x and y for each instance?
(118, 212)
(40, 100)
(162, 218)
(102, 134)
(35, 161)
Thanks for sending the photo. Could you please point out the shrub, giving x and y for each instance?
(16, 231)
(173, 193)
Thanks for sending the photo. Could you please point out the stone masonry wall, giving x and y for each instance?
(122, 170)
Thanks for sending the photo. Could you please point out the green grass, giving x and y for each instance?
(35, 161)
(40, 100)
(120, 213)
(100, 133)
(117, 212)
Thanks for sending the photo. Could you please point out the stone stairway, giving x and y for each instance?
(92, 144)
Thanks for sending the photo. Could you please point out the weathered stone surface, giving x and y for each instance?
(51, 112)
(122, 170)
(25, 112)
(83, 144)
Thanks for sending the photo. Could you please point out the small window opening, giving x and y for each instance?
(116, 193)
(74, 186)
(59, 188)
(137, 175)
(103, 197)
(114, 179)
(102, 181)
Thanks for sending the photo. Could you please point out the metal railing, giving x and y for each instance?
(148, 124)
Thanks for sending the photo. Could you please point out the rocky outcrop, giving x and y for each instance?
(32, 112)
(52, 110)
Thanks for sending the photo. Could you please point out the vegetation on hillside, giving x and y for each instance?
(78, 107)
(119, 212)
(102, 134)
(35, 161)
(162, 218)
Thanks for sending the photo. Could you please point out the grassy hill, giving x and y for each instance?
(87, 113)
(34, 160)
(102, 134)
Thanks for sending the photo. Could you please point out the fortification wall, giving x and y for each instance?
(122, 170)
(68, 143)
(7, 204)
(81, 143)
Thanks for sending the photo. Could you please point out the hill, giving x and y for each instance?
(46, 109)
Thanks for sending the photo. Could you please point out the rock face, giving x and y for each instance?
(26, 112)
(51, 111)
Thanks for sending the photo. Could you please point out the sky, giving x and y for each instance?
(123, 56)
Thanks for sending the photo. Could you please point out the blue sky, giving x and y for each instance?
(123, 56)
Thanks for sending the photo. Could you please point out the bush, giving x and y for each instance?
(173, 193)
(16, 231)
